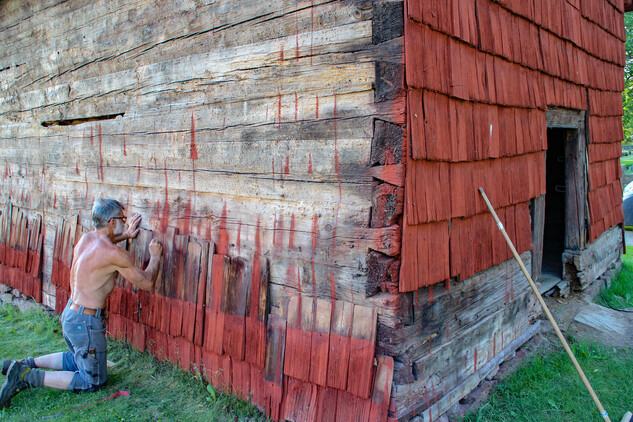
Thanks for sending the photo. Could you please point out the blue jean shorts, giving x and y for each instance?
(85, 336)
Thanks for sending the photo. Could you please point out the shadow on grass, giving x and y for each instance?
(159, 390)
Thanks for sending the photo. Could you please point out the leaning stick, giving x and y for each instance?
(603, 412)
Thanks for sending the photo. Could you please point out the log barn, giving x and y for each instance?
(311, 168)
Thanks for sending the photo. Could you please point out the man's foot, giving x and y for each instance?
(13, 384)
(28, 362)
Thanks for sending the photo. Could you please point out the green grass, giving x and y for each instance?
(547, 387)
(159, 391)
(620, 294)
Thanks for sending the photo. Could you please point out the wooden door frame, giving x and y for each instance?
(575, 187)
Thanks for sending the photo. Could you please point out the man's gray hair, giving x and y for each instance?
(103, 210)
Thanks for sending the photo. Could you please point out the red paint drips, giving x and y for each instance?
(100, 153)
(193, 147)
(77, 167)
(86, 178)
(310, 163)
(291, 236)
(281, 53)
(287, 167)
(317, 107)
(239, 236)
(223, 234)
(124, 146)
(92, 136)
(184, 221)
(279, 111)
(164, 220)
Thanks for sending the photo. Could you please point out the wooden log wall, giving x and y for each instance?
(480, 76)
(260, 142)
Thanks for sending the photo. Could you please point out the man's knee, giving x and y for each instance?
(79, 385)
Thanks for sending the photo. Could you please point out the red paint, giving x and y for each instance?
(164, 220)
(317, 106)
(55, 200)
(179, 178)
(281, 53)
(448, 285)
(184, 221)
(431, 296)
(475, 359)
(77, 167)
(332, 289)
(124, 146)
(278, 235)
(287, 167)
(310, 163)
(291, 236)
(92, 137)
(239, 236)
(100, 153)
(223, 234)
(279, 111)
(494, 344)
(193, 148)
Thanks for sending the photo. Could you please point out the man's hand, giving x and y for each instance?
(155, 248)
(132, 227)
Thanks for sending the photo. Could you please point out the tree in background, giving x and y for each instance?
(627, 95)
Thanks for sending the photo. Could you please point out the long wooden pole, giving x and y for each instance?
(603, 412)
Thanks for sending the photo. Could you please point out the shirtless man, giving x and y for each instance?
(96, 260)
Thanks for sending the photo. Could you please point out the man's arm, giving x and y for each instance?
(131, 231)
(144, 280)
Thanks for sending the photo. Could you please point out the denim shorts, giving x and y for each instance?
(85, 336)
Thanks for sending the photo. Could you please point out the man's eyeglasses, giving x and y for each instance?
(124, 218)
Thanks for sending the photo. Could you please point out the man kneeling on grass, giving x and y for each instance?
(96, 260)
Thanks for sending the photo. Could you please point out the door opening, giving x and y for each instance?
(555, 201)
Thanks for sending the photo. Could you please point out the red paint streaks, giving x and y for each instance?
(77, 167)
(258, 238)
(179, 178)
(315, 222)
(332, 289)
(92, 136)
(208, 233)
(193, 148)
(124, 146)
(475, 359)
(100, 153)
(291, 236)
(494, 345)
(223, 234)
(165, 217)
(310, 163)
(281, 53)
(317, 106)
(239, 236)
(296, 106)
(184, 221)
(287, 167)
(55, 200)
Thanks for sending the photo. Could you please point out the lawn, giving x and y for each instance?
(547, 387)
(158, 391)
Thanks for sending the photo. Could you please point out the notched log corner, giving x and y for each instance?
(389, 81)
(388, 21)
(78, 121)
(382, 274)
(386, 148)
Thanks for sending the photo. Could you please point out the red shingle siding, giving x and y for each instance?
(480, 78)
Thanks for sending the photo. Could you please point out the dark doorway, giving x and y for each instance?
(555, 200)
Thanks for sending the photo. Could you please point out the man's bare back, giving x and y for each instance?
(96, 260)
